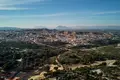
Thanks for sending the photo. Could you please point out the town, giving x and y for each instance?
(45, 54)
(46, 35)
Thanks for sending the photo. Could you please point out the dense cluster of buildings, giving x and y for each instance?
(45, 35)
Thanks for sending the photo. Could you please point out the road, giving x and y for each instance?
(108, 62)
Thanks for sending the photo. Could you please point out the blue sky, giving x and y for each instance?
(51, 13)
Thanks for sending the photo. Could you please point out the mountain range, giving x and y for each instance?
(88, 27)
(69, 28)
(62, 28)
(9, 28)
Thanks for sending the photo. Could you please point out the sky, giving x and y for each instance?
(52, 13)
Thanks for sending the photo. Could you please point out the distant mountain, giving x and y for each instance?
(40, 27)
(101, 27)
(62, 28)
(9, 28)
(88, 28)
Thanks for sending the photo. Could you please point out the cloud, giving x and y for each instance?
(51, 15)
(107, 12)
(16, 2)
(34, 16)
(12, 8)
(91, 14)
(11, 4)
